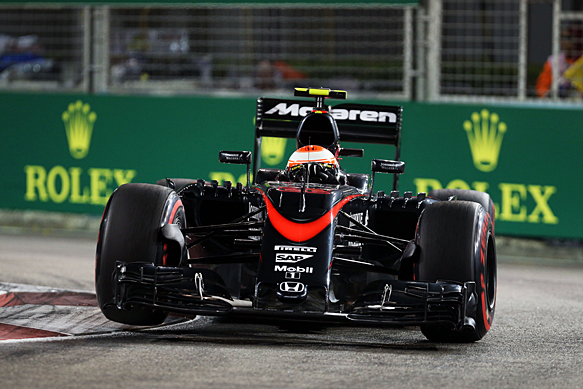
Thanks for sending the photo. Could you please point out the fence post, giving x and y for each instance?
(408, 52)
(522, 49)
(101, 49)
(556, 48)
(421, 50)
(433, 63)
(87, 38)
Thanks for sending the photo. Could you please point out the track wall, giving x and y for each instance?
(67, 153)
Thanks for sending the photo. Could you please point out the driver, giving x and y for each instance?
(314, 164)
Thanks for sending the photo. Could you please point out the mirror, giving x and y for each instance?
(237, 157)
(387, 166)
(348, 152)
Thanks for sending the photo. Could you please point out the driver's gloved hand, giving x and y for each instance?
(319, 174)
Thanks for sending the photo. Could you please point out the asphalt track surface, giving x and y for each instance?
(536, 339)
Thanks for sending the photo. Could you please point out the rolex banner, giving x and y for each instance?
(67, 153)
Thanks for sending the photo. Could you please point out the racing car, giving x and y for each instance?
(308, 242)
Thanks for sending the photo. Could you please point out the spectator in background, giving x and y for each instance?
(567, 56)
(266, 74)
(275, 75)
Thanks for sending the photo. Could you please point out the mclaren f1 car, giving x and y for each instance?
(308, 242)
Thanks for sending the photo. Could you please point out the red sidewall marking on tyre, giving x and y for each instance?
(99, 235)
(485, 314)
(177, 206)
(165, 257)
(493, 217)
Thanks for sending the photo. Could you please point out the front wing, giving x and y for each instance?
(196, 291)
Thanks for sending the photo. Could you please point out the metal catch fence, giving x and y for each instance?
(438, 50)
(44, 48)
(245, 48)
(480, 44)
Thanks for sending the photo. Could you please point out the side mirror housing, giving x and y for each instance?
(236, 157)
(348, 152)
(387, 166)
(239, 158)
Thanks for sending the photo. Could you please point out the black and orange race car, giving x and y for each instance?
(308, 242)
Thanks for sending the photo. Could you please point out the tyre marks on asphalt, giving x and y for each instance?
(38, 312)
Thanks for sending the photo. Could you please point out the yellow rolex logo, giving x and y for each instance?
(485, 132)
(79, 120)
(273, 150)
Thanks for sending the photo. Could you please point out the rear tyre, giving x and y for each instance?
(457, 244)
(129, 232)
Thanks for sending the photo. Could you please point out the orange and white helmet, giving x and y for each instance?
(315, 163)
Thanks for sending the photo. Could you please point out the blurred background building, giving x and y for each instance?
(438, 50)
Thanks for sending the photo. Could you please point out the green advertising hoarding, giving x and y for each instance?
(67, 153)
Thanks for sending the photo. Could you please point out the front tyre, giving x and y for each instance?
(475, 196)
(130, 232)
(457, 243)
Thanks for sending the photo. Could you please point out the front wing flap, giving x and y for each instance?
(415, 303)
(173, 289)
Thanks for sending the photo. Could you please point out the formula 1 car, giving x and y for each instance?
(309, 242)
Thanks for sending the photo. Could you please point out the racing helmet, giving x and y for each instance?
(313, 164)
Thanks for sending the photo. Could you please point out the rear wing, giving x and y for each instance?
(363, 123)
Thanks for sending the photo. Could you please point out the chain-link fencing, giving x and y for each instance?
(439, 50)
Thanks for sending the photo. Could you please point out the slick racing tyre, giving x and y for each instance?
(130, 232)
(466, 195)
(457, 244)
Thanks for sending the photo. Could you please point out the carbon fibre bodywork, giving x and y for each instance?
(300, 257)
